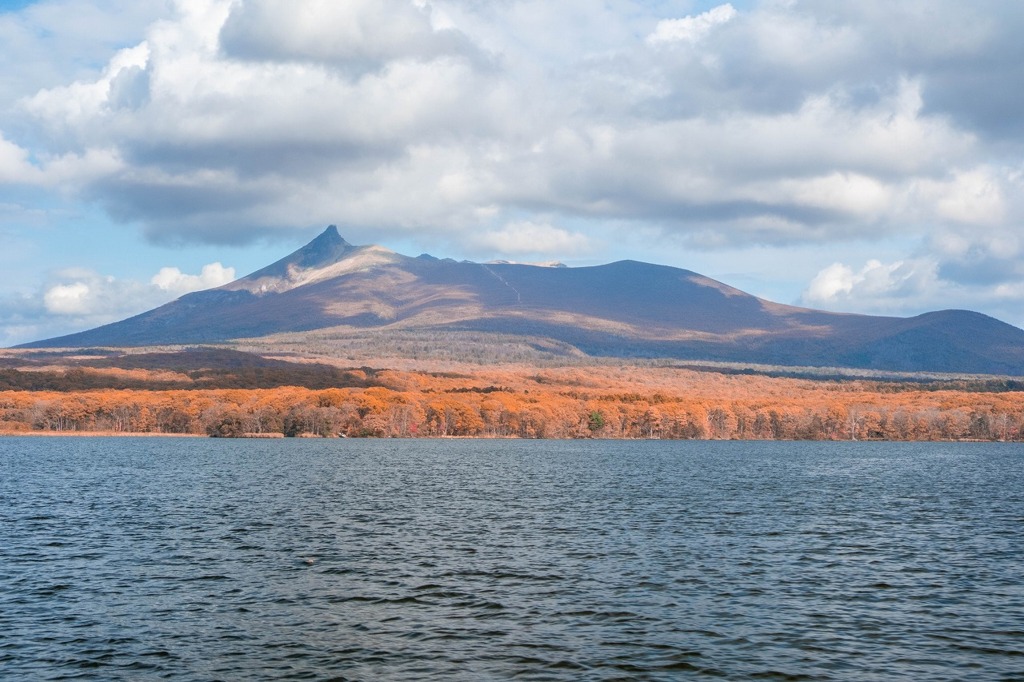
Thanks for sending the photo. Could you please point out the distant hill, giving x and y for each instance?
(623, 309)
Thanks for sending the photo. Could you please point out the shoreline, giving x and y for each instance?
(125, 434)
(95, 434)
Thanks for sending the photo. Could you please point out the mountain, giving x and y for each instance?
(622, 309)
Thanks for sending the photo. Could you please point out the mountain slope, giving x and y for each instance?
(626, 308)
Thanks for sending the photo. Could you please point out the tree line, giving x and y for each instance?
(566, 404)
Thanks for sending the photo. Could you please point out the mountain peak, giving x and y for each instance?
(330, 235)
(327, 256)
(326, 248)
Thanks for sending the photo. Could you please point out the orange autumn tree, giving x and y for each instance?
(602, 402)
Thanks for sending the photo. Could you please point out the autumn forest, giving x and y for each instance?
(638, 400)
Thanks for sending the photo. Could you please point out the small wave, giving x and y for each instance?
(51, 590)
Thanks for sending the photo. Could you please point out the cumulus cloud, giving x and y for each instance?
(217, 146)
(238, 118)
(69, 299)
(972, 196)
(175, 281)
(968, 52)
(359, 35)
(88, 298)
(49, 43)
(876, 285)
(691, 29)
(79, 298)
(14, 163)
(531, 238)
(911, 286)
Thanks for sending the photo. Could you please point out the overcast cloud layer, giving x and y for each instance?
(530, 128)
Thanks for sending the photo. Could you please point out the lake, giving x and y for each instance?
(205, 559)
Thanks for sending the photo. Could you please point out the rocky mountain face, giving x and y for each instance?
(623, 309)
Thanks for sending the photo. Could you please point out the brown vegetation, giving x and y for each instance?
(628, 401)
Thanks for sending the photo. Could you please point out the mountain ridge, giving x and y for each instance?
(626, 308)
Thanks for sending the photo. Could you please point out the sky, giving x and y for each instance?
(853, 156)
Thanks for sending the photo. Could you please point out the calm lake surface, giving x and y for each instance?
(202, 559)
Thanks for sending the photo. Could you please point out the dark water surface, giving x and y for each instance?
(133, 559)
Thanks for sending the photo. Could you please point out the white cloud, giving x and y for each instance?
(362, 34)
(50, 43)
(971, 197)
(92, 298)
(876, 287)
(233, 120)
(851, 193)
(70, 113)
(526, 237)
(832, 282)
(693, 28)
(174, 281)
(15, 167)
(69, 299)
(912, 286)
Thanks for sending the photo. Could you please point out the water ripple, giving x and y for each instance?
(134, 559)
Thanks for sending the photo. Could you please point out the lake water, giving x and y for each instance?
(197, 559)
